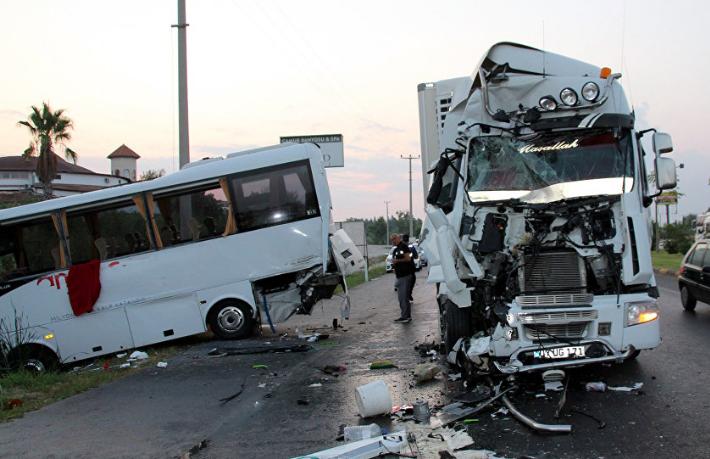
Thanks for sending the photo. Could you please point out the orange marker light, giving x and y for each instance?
(647, 317)
(605, 72)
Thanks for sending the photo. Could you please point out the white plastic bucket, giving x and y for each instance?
(373, 398)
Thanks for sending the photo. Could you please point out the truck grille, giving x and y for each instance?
(552, 272)
(561, 316)
(540, 332)
(562, 299)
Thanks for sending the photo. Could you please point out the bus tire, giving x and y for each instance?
(34, 358)
(231, 319)
(456, 323)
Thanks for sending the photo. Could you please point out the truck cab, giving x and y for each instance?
(537, 231)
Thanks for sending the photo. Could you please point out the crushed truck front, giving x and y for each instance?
(537, 225)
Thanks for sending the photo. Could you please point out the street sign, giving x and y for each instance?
(667, 198)
(331, 147)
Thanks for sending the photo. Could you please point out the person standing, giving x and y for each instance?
(415, 255)
(404, 272)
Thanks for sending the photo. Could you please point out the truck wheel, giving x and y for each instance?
(231, 319)
(455, 323)
(34, 359)
(687, 298)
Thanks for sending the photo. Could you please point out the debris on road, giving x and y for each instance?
(162, 364)
(259, 348)
(382, 364)
(597, 386)
(195, 449)
(554, 386)
(392, 443)
(235, 395)
(421, 411)
(458, 440)
(357, 433)
(373, 399)
(426, 372)
(260, 366)
(636, 386)
(302, 401)
(316, 385)
(334, 370)
(550, 428)
(138, 355)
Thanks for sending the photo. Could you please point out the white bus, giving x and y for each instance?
(223, 243)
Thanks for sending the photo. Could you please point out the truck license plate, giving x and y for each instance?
(560, 352)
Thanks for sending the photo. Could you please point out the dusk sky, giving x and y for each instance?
(262, 69)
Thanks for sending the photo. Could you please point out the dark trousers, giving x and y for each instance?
(404, 287)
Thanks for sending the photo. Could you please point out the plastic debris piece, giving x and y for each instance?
(636, 386)
(259, 366)
(597, 386)
(554, 386)
(364, 449)
(261, 386)
(125, 365)
(121, 355)
(315, 385)
(13, 403)
(373, 399)
(458, 440)
(162, 364)
(380, 364)
(426, 372)
(470, 421)
(454, 377)
(357, 433)
(138, 355)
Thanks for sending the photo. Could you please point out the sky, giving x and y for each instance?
(261, 69)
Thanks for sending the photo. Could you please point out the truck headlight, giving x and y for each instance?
(568, 97)
(590, 91)
(641, 312)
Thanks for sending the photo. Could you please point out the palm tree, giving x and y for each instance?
(48, 129)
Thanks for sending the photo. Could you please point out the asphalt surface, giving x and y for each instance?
(166, 412)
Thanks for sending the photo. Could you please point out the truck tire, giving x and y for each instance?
(687, 298)
(33, 358)
(231, 319)
(455, 323)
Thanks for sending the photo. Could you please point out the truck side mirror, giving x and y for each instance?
(662, 143)
(665, 174)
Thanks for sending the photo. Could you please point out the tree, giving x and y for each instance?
(49, 129)
(151, 174)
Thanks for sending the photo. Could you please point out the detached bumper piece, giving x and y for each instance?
(364, 449)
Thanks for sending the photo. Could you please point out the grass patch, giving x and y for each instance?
(33, 391)
(666, 260)
(358, 278)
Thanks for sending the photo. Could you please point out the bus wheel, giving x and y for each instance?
(231, 319)
(34, 358)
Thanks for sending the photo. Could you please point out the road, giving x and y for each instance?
(164, 412)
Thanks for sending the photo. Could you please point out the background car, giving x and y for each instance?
(694, 275)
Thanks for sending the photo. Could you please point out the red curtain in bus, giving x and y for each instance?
(84, 286)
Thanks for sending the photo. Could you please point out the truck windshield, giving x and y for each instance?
(508, 163)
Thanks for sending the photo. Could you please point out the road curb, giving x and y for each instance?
(666, 271)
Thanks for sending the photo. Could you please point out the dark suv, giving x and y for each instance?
(694, 277)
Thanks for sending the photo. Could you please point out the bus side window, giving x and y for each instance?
(116, 230)
(274, 196)
(205, 217)
(28, 248)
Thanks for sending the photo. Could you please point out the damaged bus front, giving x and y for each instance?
(537, 229)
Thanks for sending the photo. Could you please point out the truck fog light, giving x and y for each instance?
(590, 91)
(604, 329)
(548, 103)
(640, 312)
(568, 97)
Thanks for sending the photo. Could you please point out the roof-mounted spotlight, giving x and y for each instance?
(569, 97)
(548, 103)
(590, 91)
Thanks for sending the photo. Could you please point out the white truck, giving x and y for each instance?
(538, 231)
(702, 226)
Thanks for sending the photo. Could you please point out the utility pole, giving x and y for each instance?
(387, 220)
(183, 127)
(411, 215)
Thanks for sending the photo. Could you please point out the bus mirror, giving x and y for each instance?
(662, 143)
(665, 174)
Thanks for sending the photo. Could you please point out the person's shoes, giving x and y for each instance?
(401, 319)
(411, 299)
(406, 321)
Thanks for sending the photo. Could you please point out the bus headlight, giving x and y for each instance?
(568, 97)
(641, 312)
(590, 91)
(548, 103)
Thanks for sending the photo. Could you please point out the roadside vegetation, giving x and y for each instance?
(665, 260)
(23, 391)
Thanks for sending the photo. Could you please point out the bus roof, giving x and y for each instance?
(234, 162)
